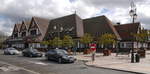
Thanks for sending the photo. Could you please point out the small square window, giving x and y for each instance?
(33, 32)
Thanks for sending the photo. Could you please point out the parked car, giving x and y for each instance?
(31, 52)
(11, 51)
(59, 55)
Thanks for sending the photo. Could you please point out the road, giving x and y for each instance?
(41, 66)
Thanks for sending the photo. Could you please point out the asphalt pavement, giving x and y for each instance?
(42, 66)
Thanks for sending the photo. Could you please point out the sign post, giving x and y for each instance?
(93, 48)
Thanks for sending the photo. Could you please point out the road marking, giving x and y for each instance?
(9, 68)
(40, 63)
(20, 68)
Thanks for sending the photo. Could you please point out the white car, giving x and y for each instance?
(11, 51)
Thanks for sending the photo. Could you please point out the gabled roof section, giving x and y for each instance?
(42, 24)
(98, 26)
(17, 27)
(26, 24)
(126, 30)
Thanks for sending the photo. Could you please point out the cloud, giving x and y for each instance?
(6, 25)
(13, 11)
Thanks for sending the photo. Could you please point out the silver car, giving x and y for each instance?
(11, 51)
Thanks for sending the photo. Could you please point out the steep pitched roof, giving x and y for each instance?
(126, 30)
(97, 26)
(16, 28)
(42, 24)
(26, 23)
(73, 22)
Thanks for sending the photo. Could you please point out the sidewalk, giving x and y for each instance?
(121, 62)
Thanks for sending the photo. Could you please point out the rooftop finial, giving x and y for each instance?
(75, 12)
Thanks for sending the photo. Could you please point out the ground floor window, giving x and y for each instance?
(37, 45)
(18, 45)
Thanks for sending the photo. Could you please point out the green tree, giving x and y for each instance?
(107, 39)
(86, 39)
(49, 43)
(57, 42)
(68, 41)
(142, 36)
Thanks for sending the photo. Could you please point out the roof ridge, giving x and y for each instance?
(95, 17)
(65, 16)
(110, 24)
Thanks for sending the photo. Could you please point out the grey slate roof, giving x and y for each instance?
(126, 30)
(98, 26)
(72, 23)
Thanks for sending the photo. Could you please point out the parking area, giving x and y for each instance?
(42, 66)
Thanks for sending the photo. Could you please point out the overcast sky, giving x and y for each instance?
(13, 11)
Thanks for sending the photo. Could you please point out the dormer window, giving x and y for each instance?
(33, 32)
(23, 34)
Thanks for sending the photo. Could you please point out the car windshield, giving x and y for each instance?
(11, 49)
(34, 50)
(60, 51)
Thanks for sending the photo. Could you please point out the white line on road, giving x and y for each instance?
(40, 63)
(20, 68)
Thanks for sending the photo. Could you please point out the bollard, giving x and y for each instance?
(137, 57)
(132, 58)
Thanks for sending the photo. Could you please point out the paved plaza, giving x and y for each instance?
(120, 62)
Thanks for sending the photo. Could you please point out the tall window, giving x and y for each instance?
(15, 35)
(33, 32)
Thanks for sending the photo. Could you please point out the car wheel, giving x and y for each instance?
(24, 55)
(10, 53)
(30, 55)
(59, 60)
(48, 58)
(5, 53)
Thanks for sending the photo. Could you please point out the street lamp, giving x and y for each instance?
(59, 29)
(133, 15)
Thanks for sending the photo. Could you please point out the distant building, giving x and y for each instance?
(126, 32)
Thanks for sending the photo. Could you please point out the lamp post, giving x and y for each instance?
(59, 29)
(133, 15)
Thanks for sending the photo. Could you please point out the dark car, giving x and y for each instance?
(59, 55)
(11, 51)
(31, 52)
